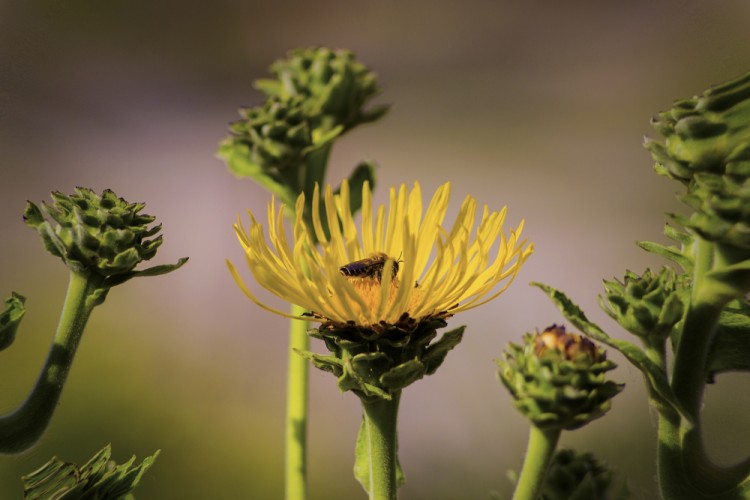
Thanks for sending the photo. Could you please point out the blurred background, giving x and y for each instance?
(540, 106)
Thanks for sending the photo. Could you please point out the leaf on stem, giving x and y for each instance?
(10, 319)
(656, 380)
(362, 461)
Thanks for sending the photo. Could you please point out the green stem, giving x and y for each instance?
(296, 417)
(22, 428)
(685, 469)
(380, 419)
(539, 452)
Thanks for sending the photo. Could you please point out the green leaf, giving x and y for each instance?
(730, 349)
(656, 380)
(238, 161)
(670, 253)
(10, 318)
(321, 137)
(402, 375)
(435, 354)
(99, 478)
(374, 113)
(121, 278)
(364, 172)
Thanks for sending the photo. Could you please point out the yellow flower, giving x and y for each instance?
(440, 271)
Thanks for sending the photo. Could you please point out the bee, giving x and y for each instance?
(371, 267)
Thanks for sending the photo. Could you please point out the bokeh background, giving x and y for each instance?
(540, 106)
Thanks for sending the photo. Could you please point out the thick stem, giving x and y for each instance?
(22, 428)
(539, 452)
(314, 172)
(380, 419)
(685, 470)
(296, 417)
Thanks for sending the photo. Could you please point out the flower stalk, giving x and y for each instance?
(295, 485)
(379, 314)
(381, 446)
(317, 95)
(539, 452)
(101, 239)
(23, 427)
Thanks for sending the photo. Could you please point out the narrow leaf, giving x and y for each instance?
(656, 379)
(670, 253)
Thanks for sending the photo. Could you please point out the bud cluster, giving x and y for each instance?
(103, 235)
(707, 148)
(648, 306)
(317, 95)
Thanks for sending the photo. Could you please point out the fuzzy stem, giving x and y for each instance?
(380, 419)
(22, 428)
(539, 452)
(296, 417)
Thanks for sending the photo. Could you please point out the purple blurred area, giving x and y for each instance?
(540, 106)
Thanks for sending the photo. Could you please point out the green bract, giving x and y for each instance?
(557, 379)
(707, 148)
(99, 478)
(98, 235)
(648, 306)
(379, 364)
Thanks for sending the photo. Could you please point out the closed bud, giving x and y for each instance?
(648, 306)
(333, 85)
(101, 236)
(558, 379)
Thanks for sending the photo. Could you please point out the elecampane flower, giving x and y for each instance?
(440, 271)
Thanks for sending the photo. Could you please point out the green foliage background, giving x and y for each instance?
(541, 107)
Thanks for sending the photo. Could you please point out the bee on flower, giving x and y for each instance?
(457, 268)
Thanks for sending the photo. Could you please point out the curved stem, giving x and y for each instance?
(296, 416)
(539, 452)
(380, 422)
(22, 428)
(698, 331)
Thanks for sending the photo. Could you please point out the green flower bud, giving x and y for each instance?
(577, 475)
(380, 362)
(557, 379)
(102, 236)
(275, 138)
(648, 306)
(707, 148)
(707, 133)
(334, 86)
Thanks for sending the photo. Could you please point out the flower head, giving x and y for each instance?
(421, 269)
(558, 379)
